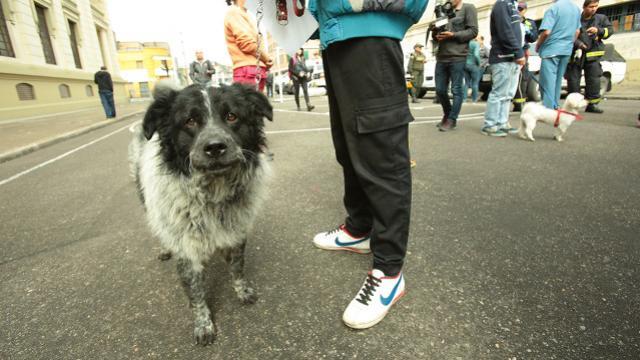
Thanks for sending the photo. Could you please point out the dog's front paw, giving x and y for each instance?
(205, 333)
(559, 138)
(245, 293)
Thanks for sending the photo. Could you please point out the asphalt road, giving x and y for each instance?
(517, 250)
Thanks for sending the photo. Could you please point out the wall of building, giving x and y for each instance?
(96, 47)
(151, 54)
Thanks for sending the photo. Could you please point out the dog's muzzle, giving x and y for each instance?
(215, 156)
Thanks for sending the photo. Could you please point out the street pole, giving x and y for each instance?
(279, 78)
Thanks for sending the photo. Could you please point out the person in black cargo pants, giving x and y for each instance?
(370, 115)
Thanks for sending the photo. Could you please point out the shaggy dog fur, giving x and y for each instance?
(201, 174)
(534, 112)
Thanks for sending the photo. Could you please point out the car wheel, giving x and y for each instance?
(422, 92)
(605, 84)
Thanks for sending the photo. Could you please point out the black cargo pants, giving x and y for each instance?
(370, 114)
(592, 73)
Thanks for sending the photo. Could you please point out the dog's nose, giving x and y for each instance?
(215, 148)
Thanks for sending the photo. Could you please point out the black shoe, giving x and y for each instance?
(444, 119)
(415, 101)
(593, 108)
(517, 107)
(310, 107)
(447, 125)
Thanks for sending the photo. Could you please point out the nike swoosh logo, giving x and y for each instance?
(387, 300)
(349, 243)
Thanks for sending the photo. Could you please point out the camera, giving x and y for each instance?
(443, 11)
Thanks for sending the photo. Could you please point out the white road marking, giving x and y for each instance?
(131, 127)
(275, 132)
(18, 175)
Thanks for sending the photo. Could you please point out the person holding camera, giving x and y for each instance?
(451, 58)
(587, 51)
(300, 75)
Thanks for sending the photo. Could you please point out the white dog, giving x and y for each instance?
(561, 119)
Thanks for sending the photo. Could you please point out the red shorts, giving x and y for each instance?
(247, 75)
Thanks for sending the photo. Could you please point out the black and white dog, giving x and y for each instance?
(200, 170)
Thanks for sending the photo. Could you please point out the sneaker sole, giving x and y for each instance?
(374, 322)
(345, 248)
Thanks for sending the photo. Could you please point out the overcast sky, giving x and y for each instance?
(186, 25)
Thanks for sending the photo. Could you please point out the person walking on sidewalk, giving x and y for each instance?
(472, 71)
(530, 33)
(241, 34)
(451, 57)
(269, 84)
(505, 59)
(559, 29)
(587, 51)
(105, 89)
(369, 116)
(300, 75)
(201, 70)
(415, 68)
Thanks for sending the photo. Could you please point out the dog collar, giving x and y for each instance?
(560, 111)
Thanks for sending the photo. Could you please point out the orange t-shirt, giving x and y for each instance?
(242, 38)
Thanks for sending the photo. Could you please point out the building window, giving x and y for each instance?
(45, 38)
(139, 64)
(144, 89)
(88, 90)
(25, 91)
(73, 39)
(5, 41)
(624, 17)
(65, 92)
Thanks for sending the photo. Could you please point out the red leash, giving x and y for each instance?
(560, 111)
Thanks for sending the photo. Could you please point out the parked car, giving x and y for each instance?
(614, 68)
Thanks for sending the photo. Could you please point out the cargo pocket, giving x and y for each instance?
(382, 132)
(373, 115)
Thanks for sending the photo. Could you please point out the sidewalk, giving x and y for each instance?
(22, 136)
(626, 90)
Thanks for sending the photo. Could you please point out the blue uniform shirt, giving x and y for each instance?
(562, 19)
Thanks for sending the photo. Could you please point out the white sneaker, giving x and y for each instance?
(340, 239)
(374, 300)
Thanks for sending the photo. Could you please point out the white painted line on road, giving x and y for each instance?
(18, 175)
(302, 112)
(17, 120)
(275, 132)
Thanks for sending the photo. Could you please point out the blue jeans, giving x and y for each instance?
(106, 97)
(450, 72)
(552, 71)
(504, 78)
(472, 76)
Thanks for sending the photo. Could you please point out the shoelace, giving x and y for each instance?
(370, 285)
(334, 230)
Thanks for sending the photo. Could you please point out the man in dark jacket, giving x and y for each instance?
(105, 89)
(588, 49)
(201, 70)
(505, 59)
(530, 32)
(451, 58)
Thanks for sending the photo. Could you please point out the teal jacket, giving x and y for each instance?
(345, 19)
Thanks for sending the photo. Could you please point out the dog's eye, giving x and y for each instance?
(190, 123)
(231, 118)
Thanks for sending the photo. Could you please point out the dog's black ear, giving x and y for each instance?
(159, 110)
(259, 103)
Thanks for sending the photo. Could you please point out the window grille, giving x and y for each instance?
(45, 38)
(65, 92)
(25, 92)
(89, 90)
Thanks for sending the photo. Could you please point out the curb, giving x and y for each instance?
(13, 154)
(622, 97)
